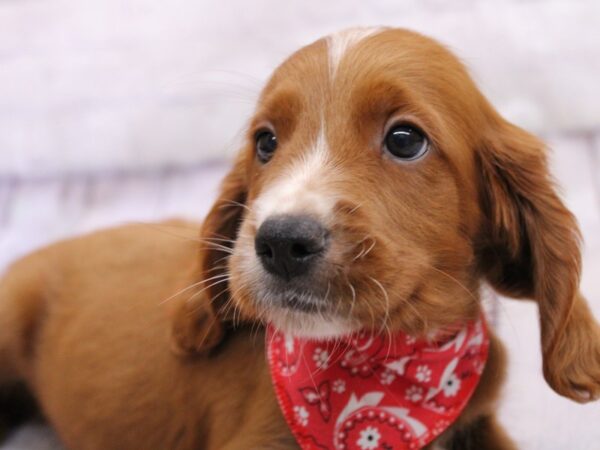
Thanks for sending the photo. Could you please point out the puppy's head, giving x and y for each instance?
(377, 188)
(360, 189)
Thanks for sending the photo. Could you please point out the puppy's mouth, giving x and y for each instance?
(306, 307)
(304, 296)
(290, 277)
(307, 317)
(300, 302)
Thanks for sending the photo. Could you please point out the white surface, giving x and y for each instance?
(38, 212)
(33, 437)
(114, 83)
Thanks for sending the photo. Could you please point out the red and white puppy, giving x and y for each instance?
(377, 189)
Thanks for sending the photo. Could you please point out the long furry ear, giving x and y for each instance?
(199, 319)
(530, 248)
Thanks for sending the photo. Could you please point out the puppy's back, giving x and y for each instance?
(81, 275)
(86, 324)
(83, 324)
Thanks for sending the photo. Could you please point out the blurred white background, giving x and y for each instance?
(119, 110)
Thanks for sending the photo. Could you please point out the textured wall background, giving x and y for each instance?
(126, 110)
(88, 85)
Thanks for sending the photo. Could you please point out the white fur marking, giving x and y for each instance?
(310, 326)
(300, 188)
(339, 43)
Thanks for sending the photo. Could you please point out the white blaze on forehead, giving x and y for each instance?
(301, 188)
(339, 43)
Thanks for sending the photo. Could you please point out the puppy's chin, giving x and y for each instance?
(309, 325)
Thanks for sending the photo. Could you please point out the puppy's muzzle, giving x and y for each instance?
(289, 246)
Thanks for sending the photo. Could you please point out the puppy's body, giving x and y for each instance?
(85, 324)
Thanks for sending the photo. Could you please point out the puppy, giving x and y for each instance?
(377, 190)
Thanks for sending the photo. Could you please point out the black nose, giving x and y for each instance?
(288, 246)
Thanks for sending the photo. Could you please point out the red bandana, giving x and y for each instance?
(375, 393)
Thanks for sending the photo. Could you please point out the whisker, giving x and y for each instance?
(387, 302)
(215, 246)
(237, 311)
(310, 373)
(205, 336)
(362, 250)
(226, 257)
(353, 210)
(226, 308)
(207, 287)
(219, 267)
(217, 239)
(160, 228)
(456, 281)
(214, 297)
(230, 203)
(353, 298)
(199, 283)
(370, 248)
(256, 325)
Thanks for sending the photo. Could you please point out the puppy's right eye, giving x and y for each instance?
(405, 142)
(266, 144)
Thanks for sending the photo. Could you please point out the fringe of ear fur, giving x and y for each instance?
(533, 251)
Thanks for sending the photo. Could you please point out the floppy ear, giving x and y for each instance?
(199, 319)
(531, 249)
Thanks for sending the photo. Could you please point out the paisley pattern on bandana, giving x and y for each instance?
(368, 392)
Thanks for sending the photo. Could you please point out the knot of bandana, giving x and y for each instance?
(369, 392)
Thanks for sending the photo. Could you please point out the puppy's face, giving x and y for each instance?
(361, 199)
(377, 189)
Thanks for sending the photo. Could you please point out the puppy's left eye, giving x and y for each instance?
(266, 144)
(406, 142)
